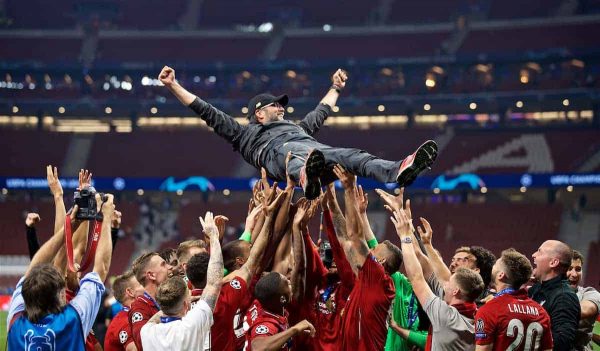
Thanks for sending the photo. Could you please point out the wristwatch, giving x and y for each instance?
(336, 88)
(406, 240)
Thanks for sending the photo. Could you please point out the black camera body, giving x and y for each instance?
(85, 199)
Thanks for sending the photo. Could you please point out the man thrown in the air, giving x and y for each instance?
(268, 137)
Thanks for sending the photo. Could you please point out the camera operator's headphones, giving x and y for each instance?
(92, 240)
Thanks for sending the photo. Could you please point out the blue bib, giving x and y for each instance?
(55, 332)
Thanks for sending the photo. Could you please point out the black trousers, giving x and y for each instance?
(356, 161)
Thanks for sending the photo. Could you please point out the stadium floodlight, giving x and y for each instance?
(265, 27)
(380, 108)
(566, 102)
(327, 27)
(519, 104)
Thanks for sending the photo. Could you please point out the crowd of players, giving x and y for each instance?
(276, 289)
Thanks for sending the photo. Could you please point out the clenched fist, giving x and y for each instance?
(339, 78)
(167, 76)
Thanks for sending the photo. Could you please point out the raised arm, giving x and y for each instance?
(104, 249)
(248, 270)
(215, 263)
(283, 211)
(47, 252)
(330, 202)
(33, 244)
(79, 240)
(315, 119)
(362, 202)
(356, 247)
(438, 266)
(299, 251)
(344, 267)
(402, 223)
(223, 124)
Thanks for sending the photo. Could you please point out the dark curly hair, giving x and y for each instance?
(484, 260)
(196, 269)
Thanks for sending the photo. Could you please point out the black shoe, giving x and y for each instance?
(416, 163)
(310, 174)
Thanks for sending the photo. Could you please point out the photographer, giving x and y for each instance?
(38, 314)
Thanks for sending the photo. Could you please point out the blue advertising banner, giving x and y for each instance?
(466, 181)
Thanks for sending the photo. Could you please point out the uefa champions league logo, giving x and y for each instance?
(46, 342)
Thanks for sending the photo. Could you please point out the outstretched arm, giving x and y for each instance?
(402, 223)
(223, 124)
(258, 248)
(47, 252)
(315, 119)
(33, 243)
(215, 263)
(437, 264)
(104, 249)
(330, 202)
(356, 247)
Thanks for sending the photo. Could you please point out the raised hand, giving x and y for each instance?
(272, 203)
(290, 183)
(302, 208)
(427, 233)
(115, 220)
(361, 200)
(348, 179)
(85, 178)
(402, 223)
(167, 76)
(221, 222)
(32, 219)
(108, 207)
(53, 182)
(251, 218)
(392, 203)
(328, 198)
(339, 78)
(209, 227)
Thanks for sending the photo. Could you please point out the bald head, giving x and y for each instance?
(552, 259)
(562, 252)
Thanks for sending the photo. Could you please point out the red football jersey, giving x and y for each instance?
(330, 299)
(231, 297)
(513, 321)
(260, 323)
(365, 317)
(142, 309)
(118, 334)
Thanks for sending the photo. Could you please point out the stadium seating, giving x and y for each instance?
(27, 152)
(362, 46)
(160, 51)
(509, 9)
(565, 156)
(177, 154)
(47, 50)
(514, 40)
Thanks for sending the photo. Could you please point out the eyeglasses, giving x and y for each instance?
(275, 104)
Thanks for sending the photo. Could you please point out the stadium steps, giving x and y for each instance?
(539, 161)
(78, 153)
(580, 229)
